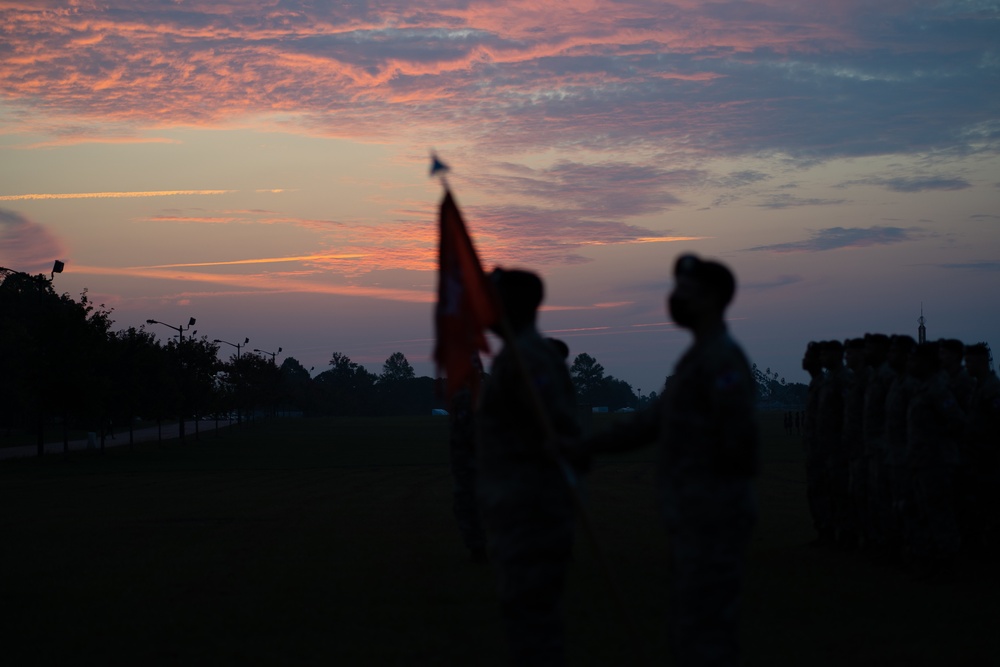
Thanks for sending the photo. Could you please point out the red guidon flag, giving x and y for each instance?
(466, 306)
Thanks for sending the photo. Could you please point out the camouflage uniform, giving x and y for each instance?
(462, 452)
(830, 425)
(705, 425)
(817, 470)
(981, 449)
(524, 501)
(934, 422)
(879, 502)
(897, 402)
(853, 447)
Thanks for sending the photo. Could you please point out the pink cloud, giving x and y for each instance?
(27, 246)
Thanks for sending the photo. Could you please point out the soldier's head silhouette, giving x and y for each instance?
(951, 351)
(832, 354)
(899, 350)
(561, 347)
(520, 294)
(811, 359)
(854, 353)
(876, 348)
(977, 360)
(702, 291)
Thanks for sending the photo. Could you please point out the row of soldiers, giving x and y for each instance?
(903, 448)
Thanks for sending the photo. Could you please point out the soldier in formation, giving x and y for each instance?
(902, 453)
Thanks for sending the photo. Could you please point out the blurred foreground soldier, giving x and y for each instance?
(707, 434)
(462, 453)
(524, 499)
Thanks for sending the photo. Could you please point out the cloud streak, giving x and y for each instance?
(837, 238)
(112, 195)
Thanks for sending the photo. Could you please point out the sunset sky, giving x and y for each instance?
(262, 166)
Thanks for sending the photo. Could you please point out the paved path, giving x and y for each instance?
(169, 432)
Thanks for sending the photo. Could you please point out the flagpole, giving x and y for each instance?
(439, 169)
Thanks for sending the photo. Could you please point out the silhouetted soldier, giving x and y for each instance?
(879, 505)
(705, 426)
(961, 384)
(462, 454)
(524, 500)
(934, 423)
(830, 424)
(981, 449)
(897, 402)
(817, 470)
(856, 379)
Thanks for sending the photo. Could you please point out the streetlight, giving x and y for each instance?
(273, 354)
(180, 330)
(236, 345)
(57, 267)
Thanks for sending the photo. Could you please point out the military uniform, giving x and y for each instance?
(853, 446)
(981, 451)
(817, 469)
(934, 422)
(462, 454)
(524, 500)
(897, 402)
(879, 500)
(705, 425)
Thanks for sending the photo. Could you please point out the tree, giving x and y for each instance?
(54, 353)
(595, 388)
(295, 386)
(396, 369)
(400, 392)
(588, 375)
(347, 388)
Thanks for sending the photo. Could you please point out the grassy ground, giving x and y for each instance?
(332, 542)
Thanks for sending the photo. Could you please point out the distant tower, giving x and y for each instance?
(921, 330)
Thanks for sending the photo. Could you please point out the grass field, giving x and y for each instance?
(331, 542)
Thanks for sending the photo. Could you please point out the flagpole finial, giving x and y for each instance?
(438, 168)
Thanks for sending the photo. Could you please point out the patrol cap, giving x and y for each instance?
(711, 274)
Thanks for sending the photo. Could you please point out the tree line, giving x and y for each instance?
(64, 368)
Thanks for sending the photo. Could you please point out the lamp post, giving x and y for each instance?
(273, 354)
(180, 330)
(236, 345)
(239, 410)
(5, 273)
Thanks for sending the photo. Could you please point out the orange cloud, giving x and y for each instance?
(112, 195)
(269, 283)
